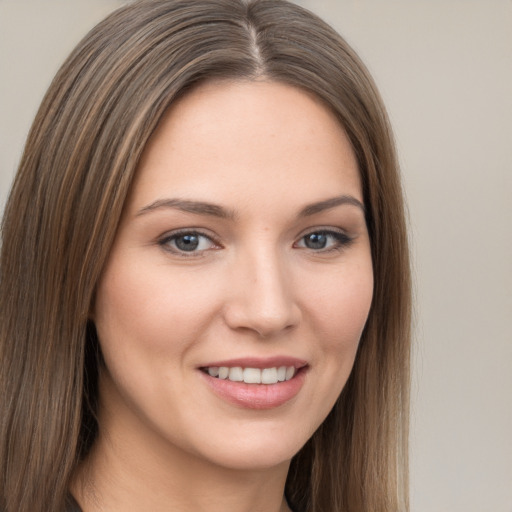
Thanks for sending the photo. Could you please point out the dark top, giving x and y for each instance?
(72, 505)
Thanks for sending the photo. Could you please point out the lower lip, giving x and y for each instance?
(257, 396)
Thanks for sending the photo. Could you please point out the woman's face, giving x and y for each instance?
(242, 255)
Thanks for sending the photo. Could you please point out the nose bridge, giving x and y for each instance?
(263, 298)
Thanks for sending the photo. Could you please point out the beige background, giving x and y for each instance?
(445, 70)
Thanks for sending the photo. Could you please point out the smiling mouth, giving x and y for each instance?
(256, 383)
(272, 375)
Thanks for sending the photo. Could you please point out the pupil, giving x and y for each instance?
(316, 241)
(187, 242)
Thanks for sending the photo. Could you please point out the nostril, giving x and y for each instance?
(264, 322)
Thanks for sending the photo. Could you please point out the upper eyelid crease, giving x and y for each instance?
(340, 236)
(215, 210)
(183, 232)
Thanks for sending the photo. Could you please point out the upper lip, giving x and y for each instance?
(258, 362)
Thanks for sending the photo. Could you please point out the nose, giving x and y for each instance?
(261, 295)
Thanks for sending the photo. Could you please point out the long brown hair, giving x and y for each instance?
(64, 209)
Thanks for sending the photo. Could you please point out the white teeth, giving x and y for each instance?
(213, 371)
(253, 375)
(269, 376)
(236, 374)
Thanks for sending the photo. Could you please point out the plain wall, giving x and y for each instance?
(444, 68)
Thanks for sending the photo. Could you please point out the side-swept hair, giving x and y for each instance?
(64, 209)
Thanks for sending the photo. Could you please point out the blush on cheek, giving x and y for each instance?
(346, 306)
(342, 323)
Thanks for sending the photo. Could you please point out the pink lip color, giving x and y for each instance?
(257, 396)
(259, 362)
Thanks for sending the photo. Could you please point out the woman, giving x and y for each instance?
(204, 275)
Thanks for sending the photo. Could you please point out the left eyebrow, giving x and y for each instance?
(313, 208)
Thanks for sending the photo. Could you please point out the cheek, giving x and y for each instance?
(341, 303)
(338, 313)
(149, 312)
(338, 304)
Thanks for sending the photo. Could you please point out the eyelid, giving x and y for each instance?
(341, 236)
(163, 241)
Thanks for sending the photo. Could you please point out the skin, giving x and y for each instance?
(263, 152)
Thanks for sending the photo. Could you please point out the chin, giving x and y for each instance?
(255, 458)
(254, 447)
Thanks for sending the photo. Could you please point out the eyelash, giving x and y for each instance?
(167, 240)
(340, 241)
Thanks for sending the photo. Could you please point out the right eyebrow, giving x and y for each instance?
(185, 205)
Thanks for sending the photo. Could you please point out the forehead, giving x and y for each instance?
(246, 140)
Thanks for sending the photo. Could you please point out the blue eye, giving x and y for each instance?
(324, 240)
(187, 242)
(316, 241)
